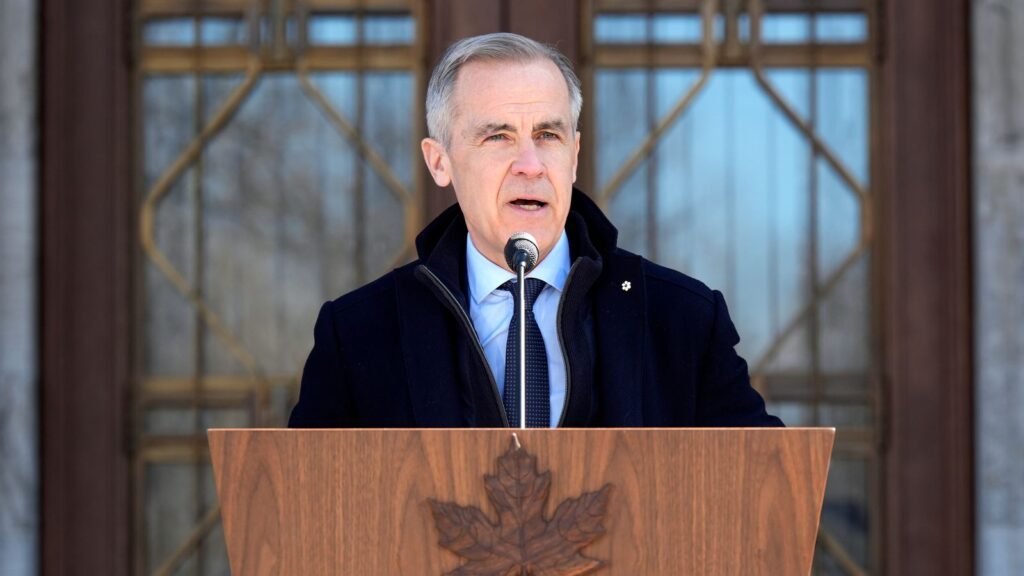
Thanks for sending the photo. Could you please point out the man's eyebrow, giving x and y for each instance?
(555, 125)
(491, 128)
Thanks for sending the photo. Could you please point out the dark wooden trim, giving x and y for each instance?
(451, 20)
(554, 22)
(926, 262)
(86, 286)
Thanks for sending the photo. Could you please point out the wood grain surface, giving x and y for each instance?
(685, 501)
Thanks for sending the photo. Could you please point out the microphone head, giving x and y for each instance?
(521, 247)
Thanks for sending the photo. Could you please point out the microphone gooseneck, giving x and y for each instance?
(521, 255)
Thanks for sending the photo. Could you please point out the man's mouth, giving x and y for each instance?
(529, 204)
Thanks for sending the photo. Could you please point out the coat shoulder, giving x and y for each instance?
(369, 297)
(668, 283)
(688, 284)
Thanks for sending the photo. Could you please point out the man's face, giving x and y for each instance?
(513, 153)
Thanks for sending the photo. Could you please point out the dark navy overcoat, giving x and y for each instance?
(644, 345)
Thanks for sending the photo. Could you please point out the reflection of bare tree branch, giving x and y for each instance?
(276, 203)
(278, 163)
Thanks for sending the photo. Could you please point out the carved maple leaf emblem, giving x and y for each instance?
(522, 542)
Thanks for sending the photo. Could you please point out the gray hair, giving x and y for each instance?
(497, 47)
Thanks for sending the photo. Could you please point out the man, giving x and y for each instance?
(612, 339)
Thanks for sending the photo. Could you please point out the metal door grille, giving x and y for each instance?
(279, 134)
(731, 140)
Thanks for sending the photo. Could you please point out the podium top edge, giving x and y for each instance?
(518, 430)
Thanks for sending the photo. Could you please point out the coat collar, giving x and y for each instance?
(593, 292)
(442, 248)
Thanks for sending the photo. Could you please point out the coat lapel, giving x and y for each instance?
(448, 382)
(619, 329)
(431, 364)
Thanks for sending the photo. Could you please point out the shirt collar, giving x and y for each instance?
(486, 276)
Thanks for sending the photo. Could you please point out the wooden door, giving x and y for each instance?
(182, 139)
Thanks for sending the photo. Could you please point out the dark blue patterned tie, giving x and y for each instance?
(538, 399)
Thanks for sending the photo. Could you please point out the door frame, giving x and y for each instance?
(89, 250)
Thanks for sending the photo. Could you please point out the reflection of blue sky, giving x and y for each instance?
(830, 28)
(377, 29)
(667, 28)
(337, 29)
(664, 28)
(842, 28)
(181, 31)
(332, 30)
(169, 32)
(216, 31)
(782, 28)
(733, 182)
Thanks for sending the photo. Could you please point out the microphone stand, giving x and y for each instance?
(521, 255)
(521, 274)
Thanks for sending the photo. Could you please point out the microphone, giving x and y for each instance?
(521, 255)
(521, 249)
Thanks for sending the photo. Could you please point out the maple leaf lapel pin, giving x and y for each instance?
(522, 541)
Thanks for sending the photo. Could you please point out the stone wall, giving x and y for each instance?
(998, 92)
(19, 481)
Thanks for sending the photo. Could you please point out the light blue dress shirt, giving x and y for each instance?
(491, 310)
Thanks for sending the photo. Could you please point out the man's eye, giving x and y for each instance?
(548, 136)
(495, 138)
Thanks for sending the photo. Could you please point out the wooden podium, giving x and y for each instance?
(493, 501)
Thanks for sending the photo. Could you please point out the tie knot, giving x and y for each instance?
(534, 286)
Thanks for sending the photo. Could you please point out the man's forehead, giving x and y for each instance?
(511, 66)
(505, 78)
(494, 93)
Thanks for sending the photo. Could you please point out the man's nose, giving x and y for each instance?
(527, 162)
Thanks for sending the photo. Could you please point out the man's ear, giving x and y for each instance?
(436, 158)
(576, 157)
